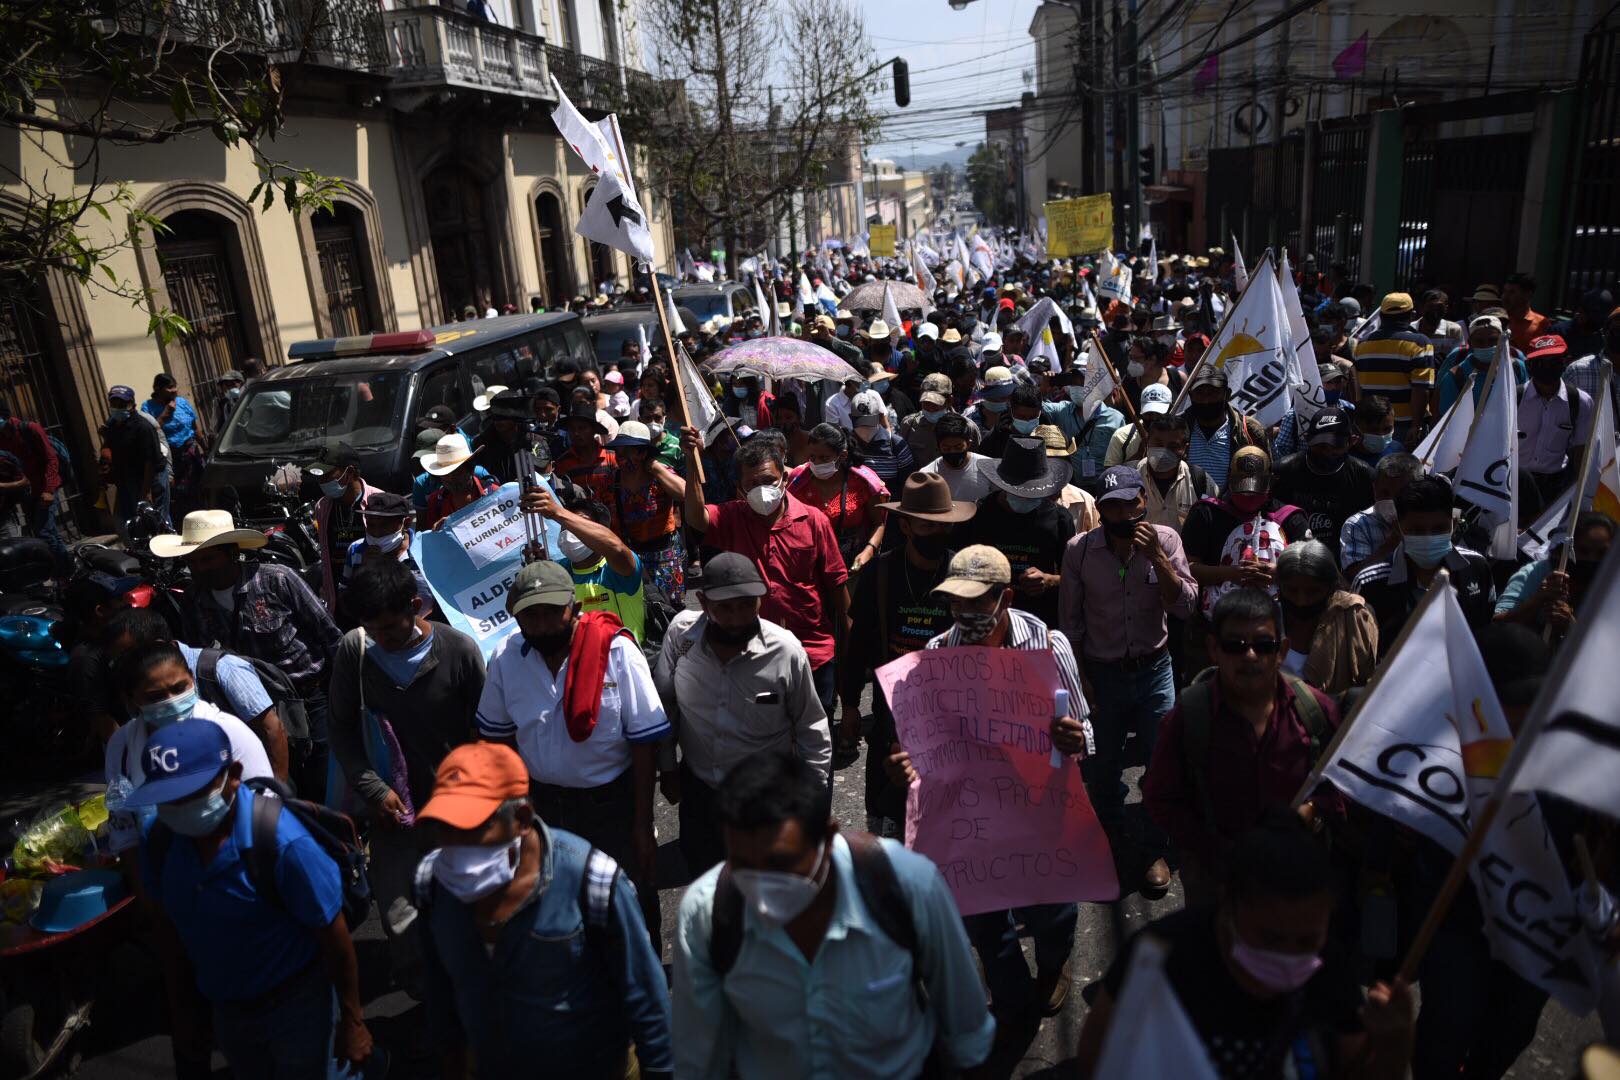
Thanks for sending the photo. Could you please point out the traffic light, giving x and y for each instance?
(902, 82)
(1147, 166)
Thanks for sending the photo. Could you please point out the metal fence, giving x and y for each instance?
(1253, 197)
(1338, 194)
(1592, 250)
(1460, 205)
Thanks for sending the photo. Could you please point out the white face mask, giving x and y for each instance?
(824, 470)
(470, 871)
(764, 499)
(1135, 370)
(1385, 509)
(388, 543)
(778, 897)
(574, 549)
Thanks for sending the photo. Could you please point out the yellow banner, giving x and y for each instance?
(1080, 226)
(882, 241)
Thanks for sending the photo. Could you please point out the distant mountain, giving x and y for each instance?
(902, 157)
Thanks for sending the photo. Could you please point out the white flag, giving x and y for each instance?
(701, 411)
(646, 348)
(1488, 476)
(925, 280)
(891, 313)
(826, 298)
(966, 260)
(613, 217)
(1043, 347)
(1549, 530)
(1369, 326)
(1442, 448)
(1113, 278)
(676, 325)
(1573, 735)
(1040, 318)
(759, 303)
(1425, 748)
(1308, 396)
(807, 295)
(1253, 350)
(1153, 256)
(1240, 275)
(1150, 1034)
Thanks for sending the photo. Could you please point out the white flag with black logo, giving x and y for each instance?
(1252, 348)
(1488, 476)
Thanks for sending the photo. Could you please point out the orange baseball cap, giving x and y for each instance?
(472, 782)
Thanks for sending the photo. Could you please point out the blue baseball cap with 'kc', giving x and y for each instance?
(179, 761)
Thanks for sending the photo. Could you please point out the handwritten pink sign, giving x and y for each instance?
(1005, 827)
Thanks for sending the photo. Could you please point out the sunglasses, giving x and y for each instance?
(1239, 646)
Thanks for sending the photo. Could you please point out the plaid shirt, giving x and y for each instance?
(274, 617)
(1585, 374)
(1363, 531)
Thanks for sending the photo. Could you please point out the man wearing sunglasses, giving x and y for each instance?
(1240, 740)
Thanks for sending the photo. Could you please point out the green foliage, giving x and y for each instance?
(988, 171)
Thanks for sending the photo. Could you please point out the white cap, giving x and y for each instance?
(992, 342)
(1156, 398)
(928, 330)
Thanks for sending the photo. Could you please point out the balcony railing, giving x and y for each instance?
(335, 33)
(598, 86)
(434, 48)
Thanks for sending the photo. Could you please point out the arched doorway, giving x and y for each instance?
(202, 270)
(31, 382)
(459, 228)
(340, 238)
(556, 280)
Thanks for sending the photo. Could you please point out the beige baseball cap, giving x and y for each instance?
(974, 571)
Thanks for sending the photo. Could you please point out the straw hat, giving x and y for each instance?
(203, 529)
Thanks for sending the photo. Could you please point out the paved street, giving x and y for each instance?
(122, 1046)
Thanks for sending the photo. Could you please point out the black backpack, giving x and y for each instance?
(880, 892)
(334, 832)
(290, 707)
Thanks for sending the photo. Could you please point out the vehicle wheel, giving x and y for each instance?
(20, 1050)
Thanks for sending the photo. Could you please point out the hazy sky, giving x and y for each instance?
(961, 61)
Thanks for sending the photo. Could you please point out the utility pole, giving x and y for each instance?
(1280, 103)
(722, 103)
(1133, 130)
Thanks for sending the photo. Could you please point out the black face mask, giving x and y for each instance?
(956, 460)
(1582, 573)
(551, 644)
(1208, 410)
(732, 636)
(1303, 612)
(1544, 372)
(930, 547)
(1123, 529)
(1324, 465)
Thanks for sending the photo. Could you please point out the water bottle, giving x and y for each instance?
(1060, 708)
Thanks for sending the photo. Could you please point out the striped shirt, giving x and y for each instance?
(1031, 634)
(1587, 372)
(1212, 453)
(1361, 535)
(1391, 361)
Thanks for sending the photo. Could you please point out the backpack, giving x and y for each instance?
(879, 889)
(595, 896)
(64, 461)
(290, 708)
(334, 832)
(1197, 706)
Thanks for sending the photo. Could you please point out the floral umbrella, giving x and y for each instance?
(779, 358)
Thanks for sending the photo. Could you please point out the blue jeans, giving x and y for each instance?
(290, 1039)
(995, 935)
(1125, 701)
(42, 523)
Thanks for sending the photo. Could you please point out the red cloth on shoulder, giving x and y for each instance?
(587, 670)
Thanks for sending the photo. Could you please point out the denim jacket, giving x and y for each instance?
(548, 991)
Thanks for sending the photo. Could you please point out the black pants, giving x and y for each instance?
(605, 817)
(702, 841)
(1478, 1016)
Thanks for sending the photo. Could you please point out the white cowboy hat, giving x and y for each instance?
(448, 454)
(481, 402)
(204, 529)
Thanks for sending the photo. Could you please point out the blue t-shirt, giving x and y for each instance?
(400, 667)
(240, 943)
(245, 696)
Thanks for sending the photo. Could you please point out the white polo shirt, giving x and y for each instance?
(523, 699)
(123, 758)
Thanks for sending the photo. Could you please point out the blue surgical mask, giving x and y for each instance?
(933, 415)
(196, 817)
(1374, 444)
(739, 391)
(118, 416)
(881, 386)
(1020, 505)
(993, 406)
(1484, 356)
(332, 489)
(1427, 550)
(1026, 427)
(386, 544)
(173, 710)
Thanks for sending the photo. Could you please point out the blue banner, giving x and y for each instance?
(472, 558)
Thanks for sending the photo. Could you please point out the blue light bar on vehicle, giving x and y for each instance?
(363, 345)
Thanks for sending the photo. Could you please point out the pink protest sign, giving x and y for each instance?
(1003, 825)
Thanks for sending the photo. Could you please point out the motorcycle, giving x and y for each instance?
(287, 521)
